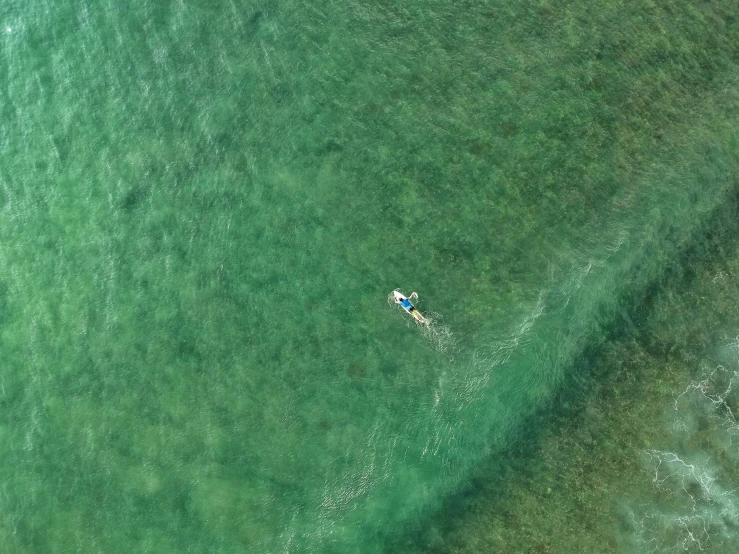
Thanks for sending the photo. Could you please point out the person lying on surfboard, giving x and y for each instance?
(405, 302)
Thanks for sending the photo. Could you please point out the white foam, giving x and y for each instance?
(696, 505)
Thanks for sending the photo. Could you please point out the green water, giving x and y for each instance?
(644, 458)
(205, 205)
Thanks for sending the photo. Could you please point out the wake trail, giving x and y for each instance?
(434, 331)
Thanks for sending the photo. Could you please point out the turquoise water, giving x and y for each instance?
(205, 205)
(644, 458)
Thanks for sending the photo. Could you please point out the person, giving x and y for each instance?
(405, 302)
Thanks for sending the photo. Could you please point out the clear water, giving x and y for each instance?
(204, 206)
(646, 459)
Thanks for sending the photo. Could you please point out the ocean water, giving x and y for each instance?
(204, 206)
(642, 456)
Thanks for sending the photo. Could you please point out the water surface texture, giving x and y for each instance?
(641, 456)
(204, 206)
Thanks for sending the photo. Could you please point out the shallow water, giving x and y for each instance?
(205, 206)
(646, 459)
